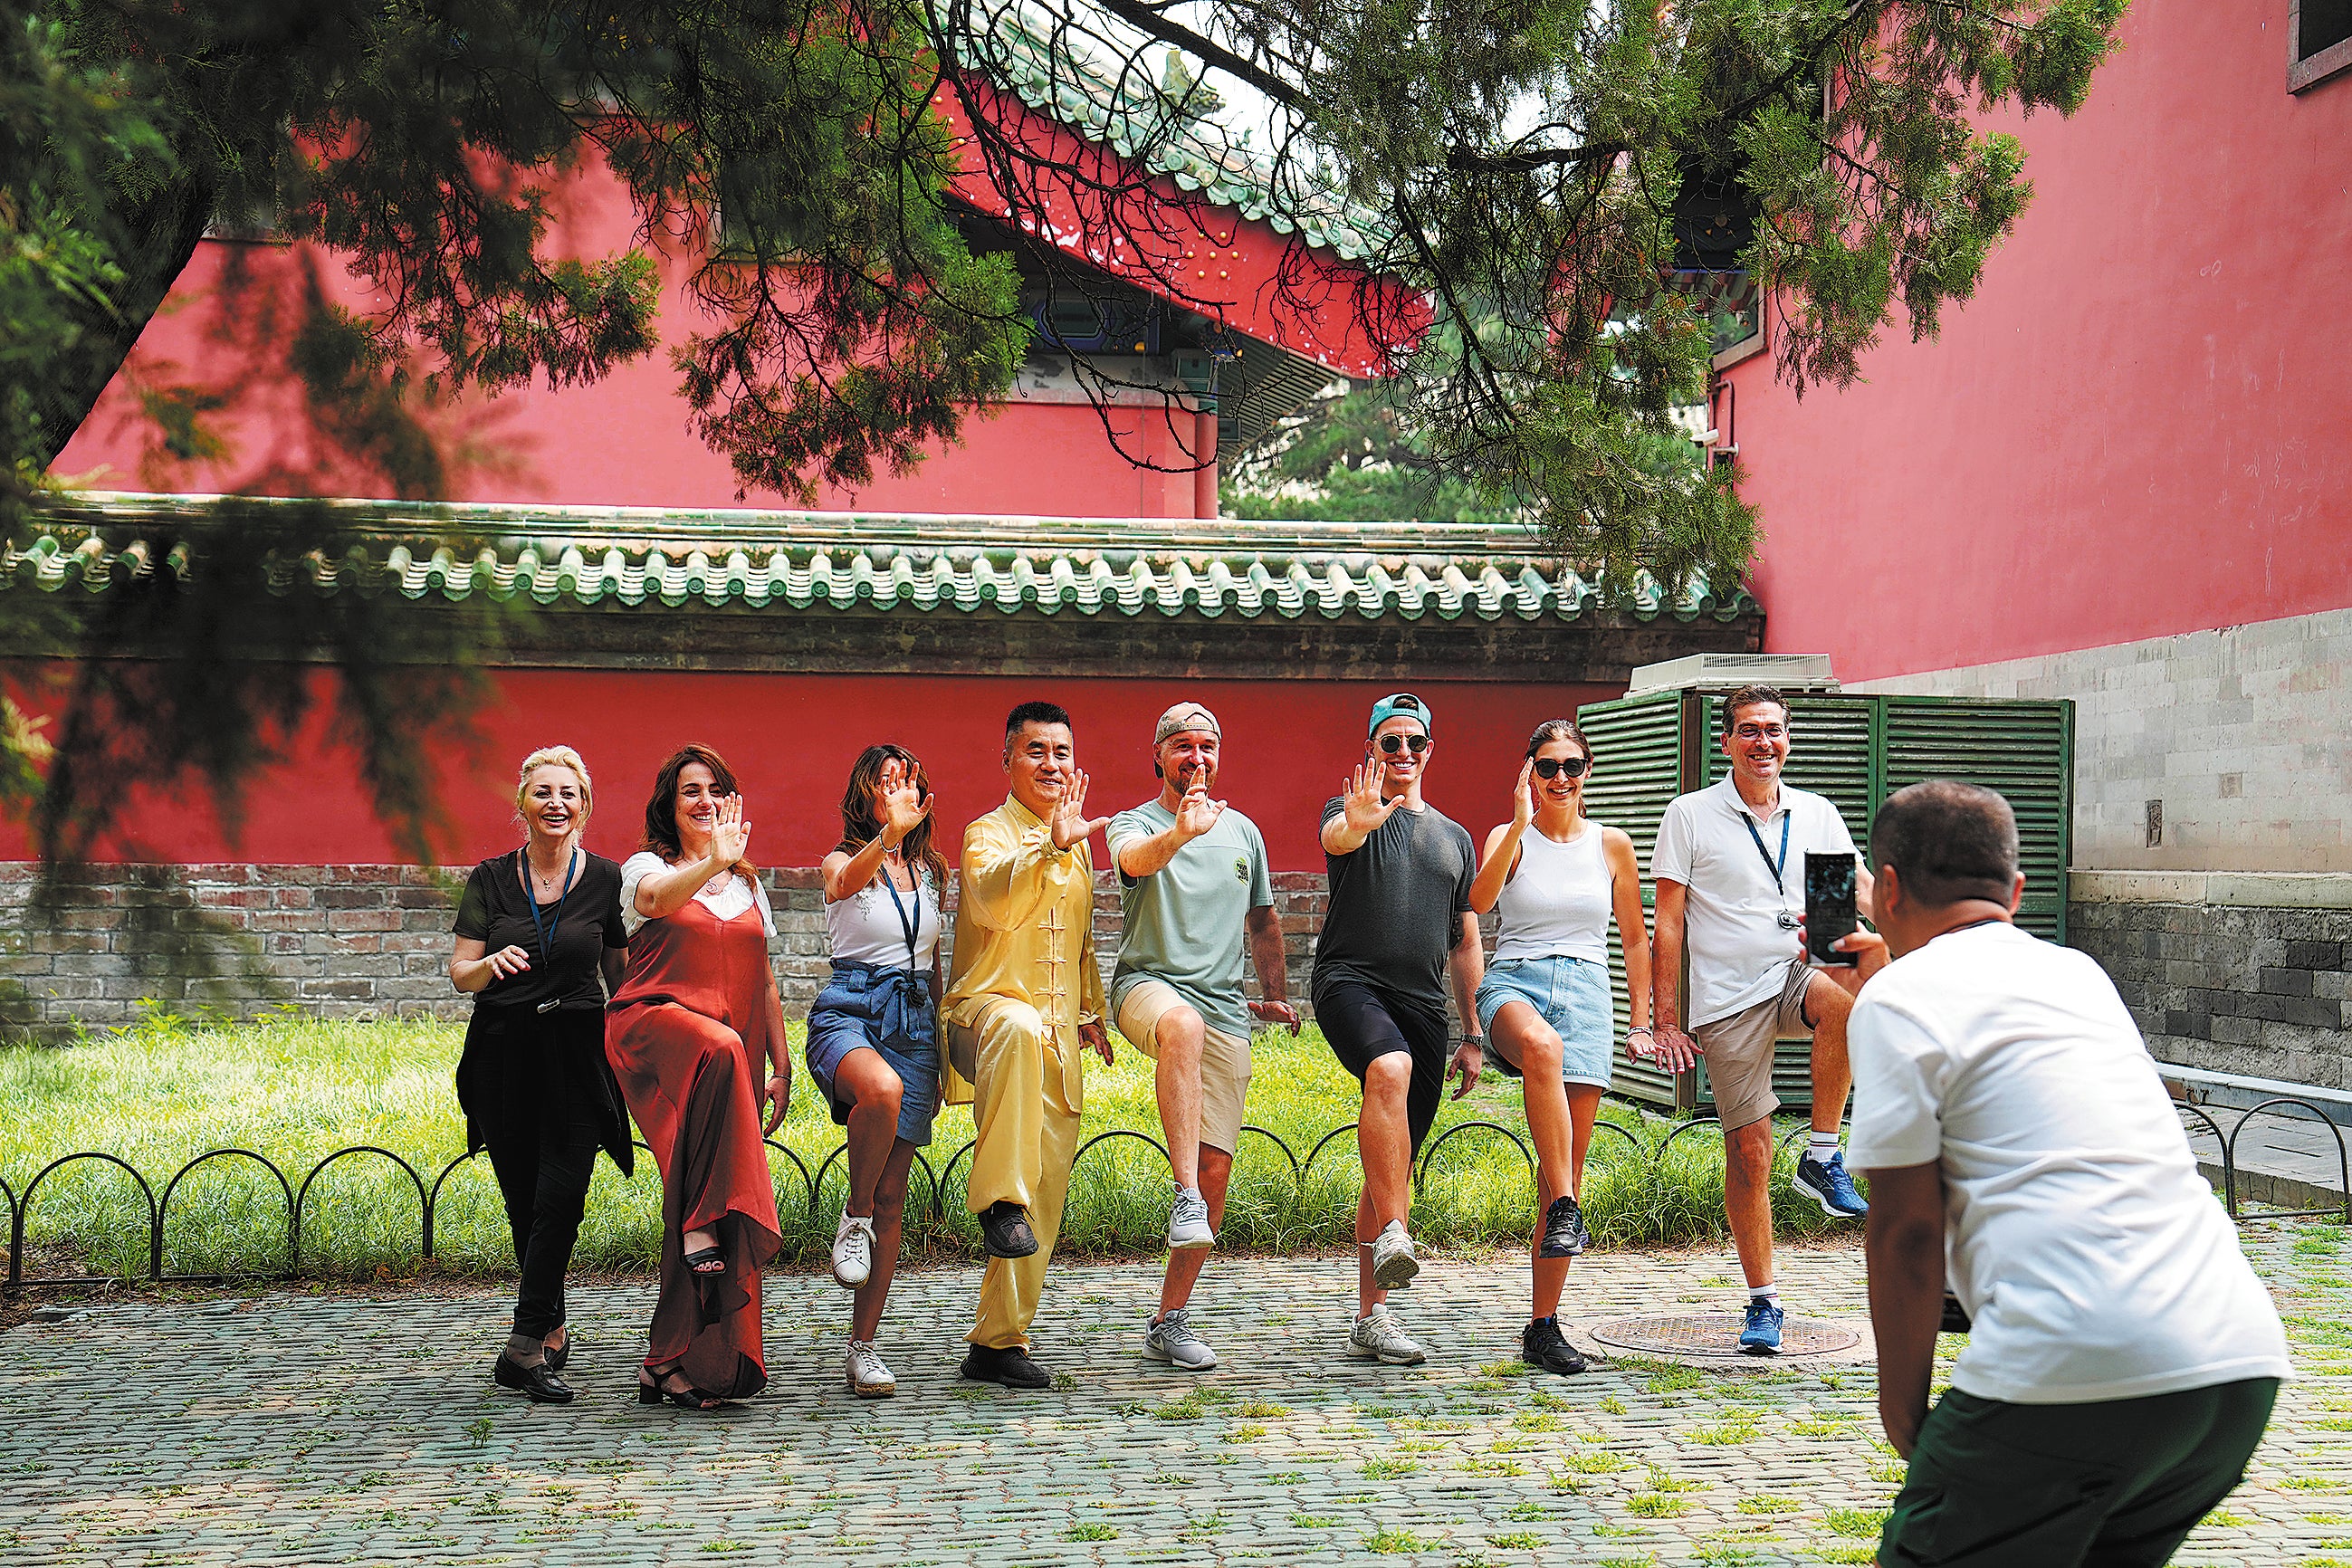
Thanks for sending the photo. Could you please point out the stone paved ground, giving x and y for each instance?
(202, 1432)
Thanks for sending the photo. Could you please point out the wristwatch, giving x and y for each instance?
(1477, 1040)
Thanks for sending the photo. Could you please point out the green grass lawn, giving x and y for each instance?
(159, 1096)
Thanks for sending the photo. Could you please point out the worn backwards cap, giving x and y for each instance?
(1401, 705)
(1183, 717)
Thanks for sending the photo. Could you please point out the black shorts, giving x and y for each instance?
(1363, 1022)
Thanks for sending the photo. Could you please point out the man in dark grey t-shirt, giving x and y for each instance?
(1398, 919)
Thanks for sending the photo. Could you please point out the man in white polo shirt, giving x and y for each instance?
(2124, 1357)
(1730, 871)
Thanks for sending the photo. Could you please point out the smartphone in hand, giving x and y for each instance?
(1829, 907)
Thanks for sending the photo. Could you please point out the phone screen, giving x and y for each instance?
(1829, 906)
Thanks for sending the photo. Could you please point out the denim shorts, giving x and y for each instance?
(854, 1011)
(1571, 994)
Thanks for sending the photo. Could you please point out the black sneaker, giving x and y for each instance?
(1004, 1227)
(1007, 1368)
(1564, 1235)
(1541, 1344)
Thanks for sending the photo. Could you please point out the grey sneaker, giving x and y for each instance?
(852, 1252)
(1393, 1263)
(1376, 1335)
(868, 1378)
(1188, 1223)
(1172, 1340)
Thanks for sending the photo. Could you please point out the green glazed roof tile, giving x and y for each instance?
(917, 565)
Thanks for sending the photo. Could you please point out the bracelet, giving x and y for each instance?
(1638, 1029)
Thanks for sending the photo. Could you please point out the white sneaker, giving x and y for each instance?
(1376, 1335)
(868, 1378)
(1188, 1222)
(1172, 1340)
(1393, 1263)
(852, 1252)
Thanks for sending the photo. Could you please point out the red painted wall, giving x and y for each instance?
(2139, 428)
(624, 441)
(792, 738)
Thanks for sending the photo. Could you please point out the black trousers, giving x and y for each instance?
(543, 1174)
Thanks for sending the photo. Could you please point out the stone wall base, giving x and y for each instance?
(2238, 973)
(105, 944)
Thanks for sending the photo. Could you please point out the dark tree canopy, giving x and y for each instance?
(1529, 179)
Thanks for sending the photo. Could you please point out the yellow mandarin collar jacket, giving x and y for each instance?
(1024, 929)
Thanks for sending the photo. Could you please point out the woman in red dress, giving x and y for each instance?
(691, 1033)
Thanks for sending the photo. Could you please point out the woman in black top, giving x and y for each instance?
(540, 941)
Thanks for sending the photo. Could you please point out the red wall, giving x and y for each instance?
(2142, 424)
(624, 441)
(792, 738)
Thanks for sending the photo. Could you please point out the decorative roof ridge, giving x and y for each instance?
(1085, 567)
(689, 527)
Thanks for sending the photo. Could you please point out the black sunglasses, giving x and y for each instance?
(1392, 745)
(1552, 767)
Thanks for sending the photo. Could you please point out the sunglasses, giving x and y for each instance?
(1553, 767)
(1392, 745)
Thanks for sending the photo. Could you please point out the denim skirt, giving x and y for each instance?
(893, 1012)
(1571, 994)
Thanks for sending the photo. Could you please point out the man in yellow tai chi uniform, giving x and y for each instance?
(1024, 1002)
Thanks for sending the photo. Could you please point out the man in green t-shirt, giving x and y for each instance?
(1193, 883)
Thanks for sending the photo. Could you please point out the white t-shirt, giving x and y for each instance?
(726, 898)
(1739, 949)
(2097, 1262)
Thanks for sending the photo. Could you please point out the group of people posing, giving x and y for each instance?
(2019, 1145)
(643, 989)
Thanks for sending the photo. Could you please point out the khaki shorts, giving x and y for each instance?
(1738, 1050)
(1225, 1060)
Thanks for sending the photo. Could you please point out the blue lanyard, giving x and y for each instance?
(1749, 822)
(547, 931)
(908, 927)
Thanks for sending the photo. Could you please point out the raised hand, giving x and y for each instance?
(904, 805)
(1365, 808)
(730, 836)
(1523, 797)
(1070, 824)
(1196, 813)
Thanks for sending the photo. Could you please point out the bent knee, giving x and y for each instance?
(1391, 1073)
(1181, 1029)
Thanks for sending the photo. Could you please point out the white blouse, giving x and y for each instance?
(727, 897)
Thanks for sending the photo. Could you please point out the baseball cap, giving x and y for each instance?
(1401, 705)
(1185, 716)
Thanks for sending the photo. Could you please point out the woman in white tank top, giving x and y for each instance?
(1554, 877)
(874, 1033)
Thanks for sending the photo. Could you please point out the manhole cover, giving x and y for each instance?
(1716, 1334)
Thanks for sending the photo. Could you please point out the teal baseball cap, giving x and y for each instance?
(1403, 705)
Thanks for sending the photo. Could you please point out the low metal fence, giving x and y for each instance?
(937, 1182)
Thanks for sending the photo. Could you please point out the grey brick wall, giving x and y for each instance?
(345, 942)
(2244, 735)
(2223, 984)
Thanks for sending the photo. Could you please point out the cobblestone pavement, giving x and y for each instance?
(298, 1428)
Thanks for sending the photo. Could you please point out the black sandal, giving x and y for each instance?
(691, 1398)
(705, 1261)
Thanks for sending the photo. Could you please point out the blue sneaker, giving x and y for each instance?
(1761, 1335)
(1826, 1183)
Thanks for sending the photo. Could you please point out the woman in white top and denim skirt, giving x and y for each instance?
(874, 1033)
(1554, 877)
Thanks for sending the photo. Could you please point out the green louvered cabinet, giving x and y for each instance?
(1856, 749)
